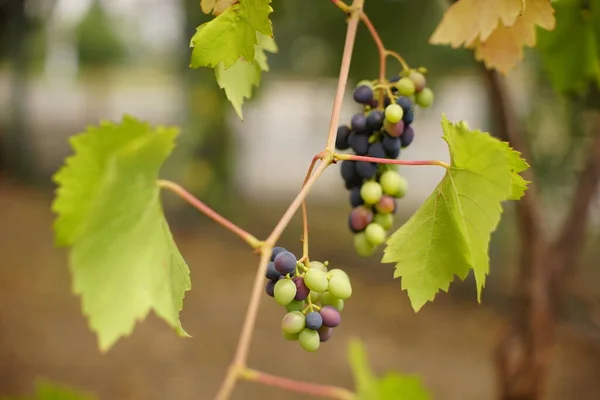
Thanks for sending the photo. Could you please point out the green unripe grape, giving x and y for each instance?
(316, 279)
(405, 86)
(362, 246)
(371, 192)
(315, 297)
(424, 98)
(293, 322)
(285, 291)
(309, 340)
(375, 234)
(385, 220)
(419, 80)
(393, 184)
(394, 113)
(317, 265)
(295, 305)
(290, 336)
(338, 272)
(365, 82)
(327, 299)
(340, 288)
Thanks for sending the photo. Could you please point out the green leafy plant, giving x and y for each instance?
(123, 258)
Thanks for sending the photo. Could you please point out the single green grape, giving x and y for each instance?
(393, 184)
(371, 192)
(285, 291)
(295, 305)
(362, 246)
(316, 279)
(315, 297)
(290, 336)
(327, 299)
(293, 322)
(405, 86)
(339, 272)
(317, 265)
(393, 113)
(375, 234)
(385, 220)
(340, 287)
(425, 98)
(309, 340)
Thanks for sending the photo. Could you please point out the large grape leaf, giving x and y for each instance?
(392, 386)
(239, 80)
(571, 53)
(122, 256)
(497, 30)
(231, 35)
(216, 7)
(450, 233)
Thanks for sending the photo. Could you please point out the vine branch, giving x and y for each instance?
(209, 212)
(354, 157)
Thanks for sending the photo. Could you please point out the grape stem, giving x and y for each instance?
(313, 389)
(238, 366)
(209, 212)
(354, 157)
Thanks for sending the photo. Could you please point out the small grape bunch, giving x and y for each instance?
(312, 295)
(379, 133)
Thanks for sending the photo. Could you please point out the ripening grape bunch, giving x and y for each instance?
(379, 131)
(312, 295)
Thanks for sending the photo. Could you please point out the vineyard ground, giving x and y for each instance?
(43, 334)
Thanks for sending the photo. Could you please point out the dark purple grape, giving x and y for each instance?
(341, 140)
(409, 117)
(355, 197)
(375, 120)
(285, 262)
(275, 251)
(302, 291)
(391, 145)
(349, 174)
(386, 205)
(325, 333)
(386, 101)
(314, 320)
(363, 94)
(366, 169)
(394, 130)
(360, 217)
(331, 316)
(407, 137)
(359, 123)
(406, 104)
(359, 143)
(270, 288)
(376, 150)
(349, 185)
(272, 273)
(394, 78)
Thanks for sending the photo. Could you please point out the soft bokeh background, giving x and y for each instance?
(65, 64)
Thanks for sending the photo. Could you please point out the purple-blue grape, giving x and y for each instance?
(375, 120)
(341, 139)
(275, 251)
(272, 273)
(363, 94)
(376, 150)
(407, 137)
(302, 291)
(270, 288)
(349, 174)
(359, 143)
(331, 316)
(366, 169)
(325, 333)
(314, 320)
(391, 145)
(355, 197)
(406, 104)
(409, 117)
(285, 262)
(394, 78)
(359, 122)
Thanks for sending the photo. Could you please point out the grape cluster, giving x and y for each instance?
(312, 295)
(379, 133)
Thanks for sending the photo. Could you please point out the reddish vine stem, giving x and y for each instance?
(354, 157)
(305, 257)
(209, 212)
(382, 54)
(312, 389)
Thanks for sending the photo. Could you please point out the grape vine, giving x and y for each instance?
(110, 214)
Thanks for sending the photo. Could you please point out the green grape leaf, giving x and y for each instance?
(449, 234)
(239, 80)
(231, 35)
(392, 386)
(571, 52)
(122, 256)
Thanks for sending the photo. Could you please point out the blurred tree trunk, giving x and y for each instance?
(524, 354)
